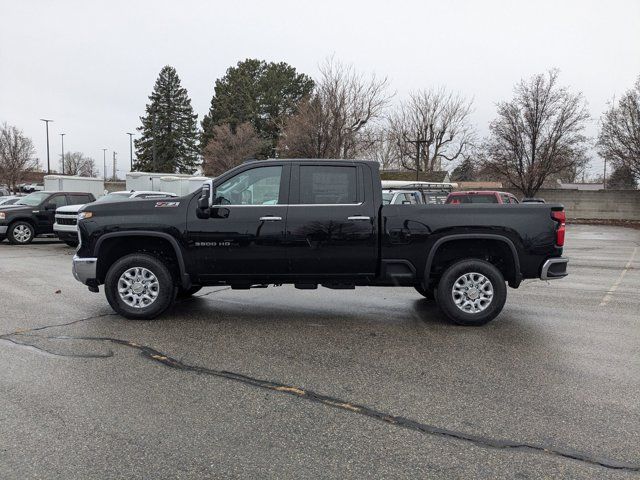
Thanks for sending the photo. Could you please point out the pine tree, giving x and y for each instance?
(260, 93)
(169, 131)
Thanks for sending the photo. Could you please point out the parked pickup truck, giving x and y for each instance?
(34, 214)
(310, 223)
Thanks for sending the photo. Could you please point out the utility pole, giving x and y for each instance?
(604, 177)
(46, 121)
(104, 164)
(62, 137)
(418, 143)
(114, 166)
(130, 150)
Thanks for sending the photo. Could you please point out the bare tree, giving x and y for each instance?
(538, 134)
(619, 139)
(228, 149)
(434, 122)
(76, 163)
(380, 146)
(333, 121)
(16, 155)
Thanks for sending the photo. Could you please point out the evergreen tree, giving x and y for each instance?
(622, 178)
(260, 93)
(169, 131)
(465, 172)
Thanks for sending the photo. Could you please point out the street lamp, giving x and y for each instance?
(130, 150)
(46, 121)
(62, 137)
(104, 164)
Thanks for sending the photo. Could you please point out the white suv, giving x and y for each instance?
(66, 224)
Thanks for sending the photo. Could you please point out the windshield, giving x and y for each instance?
(113, 196)
(386, 198)
(33, 199)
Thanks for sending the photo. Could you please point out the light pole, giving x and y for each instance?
(130, 150)
(62, 138)
(46, 121)
(104, 164)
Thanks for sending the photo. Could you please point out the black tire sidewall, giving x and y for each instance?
(17, 224)
(167, 288)
(447, 304)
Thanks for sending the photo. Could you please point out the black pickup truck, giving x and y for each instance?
(310, 223)
(35, 214)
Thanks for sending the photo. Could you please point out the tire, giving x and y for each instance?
(187, 293)
(473, 306)
(147, 278)
(71, 243)
(20, 233)
(427, 293)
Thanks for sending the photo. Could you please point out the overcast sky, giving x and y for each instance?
(90, 65)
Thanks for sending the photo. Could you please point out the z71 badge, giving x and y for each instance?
(167, 204)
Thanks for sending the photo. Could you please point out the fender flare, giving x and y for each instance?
(475, 236)
(185, 279)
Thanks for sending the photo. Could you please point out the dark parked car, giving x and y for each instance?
(34, 214)
(310, 223)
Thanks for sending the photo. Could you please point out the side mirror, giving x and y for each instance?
(205, 200)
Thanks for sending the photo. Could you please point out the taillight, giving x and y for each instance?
(560, 217)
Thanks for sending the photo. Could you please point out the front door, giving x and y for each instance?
(331, 225)
(46, 217)
(244, 237)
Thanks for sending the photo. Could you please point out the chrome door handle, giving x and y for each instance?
(270, 219)
(360, 218)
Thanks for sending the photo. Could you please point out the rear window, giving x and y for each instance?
(482, 198)
(323, 184)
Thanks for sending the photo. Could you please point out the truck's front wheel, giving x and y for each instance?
(139, 287)
(472, 292)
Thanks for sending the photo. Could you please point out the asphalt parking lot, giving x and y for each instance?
(285, 383)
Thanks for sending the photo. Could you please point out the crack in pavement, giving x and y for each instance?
(400, 421)
(44, 327)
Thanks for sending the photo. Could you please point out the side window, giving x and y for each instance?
(78, 199)
(58, 200)
(325, 184)
(258, 186)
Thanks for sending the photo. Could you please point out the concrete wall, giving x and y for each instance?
(594, 205)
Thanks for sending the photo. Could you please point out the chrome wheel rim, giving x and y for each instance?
(22, 233)
(472, 292)
(138, 287)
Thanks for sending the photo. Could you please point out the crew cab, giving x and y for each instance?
(480, 196)
(65, 226)
(311, 223)
(33, 214)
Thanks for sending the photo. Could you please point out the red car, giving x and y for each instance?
(481, 196)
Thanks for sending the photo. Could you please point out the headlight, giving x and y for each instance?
(2, 216)
(85, 215)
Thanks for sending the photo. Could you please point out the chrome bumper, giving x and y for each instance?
(554, 268)
(84, 269)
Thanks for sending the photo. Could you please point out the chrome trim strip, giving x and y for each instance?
(544, 273)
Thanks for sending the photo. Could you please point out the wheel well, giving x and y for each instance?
(25, 220)
(114, 248)
(495, 252)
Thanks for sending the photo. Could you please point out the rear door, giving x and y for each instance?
(331, 222)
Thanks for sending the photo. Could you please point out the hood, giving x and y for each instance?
(70, 208)
(15, 208)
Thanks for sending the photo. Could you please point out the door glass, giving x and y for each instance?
(78, 199)
(58, 200)
(324, 184)
(258, 186)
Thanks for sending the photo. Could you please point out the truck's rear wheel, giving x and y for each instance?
(472, 292)
(139, 287)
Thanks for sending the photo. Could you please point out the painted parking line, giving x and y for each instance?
(616, 284)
